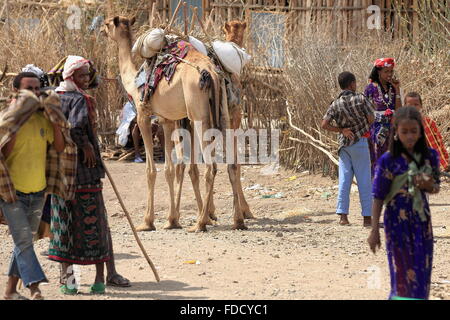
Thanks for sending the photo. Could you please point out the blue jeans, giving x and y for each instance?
(23, 218)
(355, 160)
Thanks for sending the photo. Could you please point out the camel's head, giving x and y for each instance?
(234, 31)
(117, 27)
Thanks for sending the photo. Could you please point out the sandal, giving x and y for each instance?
(65, 290)
(97, 288)
(118, 281)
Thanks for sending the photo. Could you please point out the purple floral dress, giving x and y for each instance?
(409, 240)
(384, 103)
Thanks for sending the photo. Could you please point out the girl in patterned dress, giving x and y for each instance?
(403, 176)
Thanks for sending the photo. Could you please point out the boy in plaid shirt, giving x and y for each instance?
(353, 114)
(432, 134)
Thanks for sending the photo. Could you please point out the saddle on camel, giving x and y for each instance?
(163, 52)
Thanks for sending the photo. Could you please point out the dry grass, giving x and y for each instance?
(45, 43)
(306, 82)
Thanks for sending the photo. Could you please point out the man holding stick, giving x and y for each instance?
(80, 228)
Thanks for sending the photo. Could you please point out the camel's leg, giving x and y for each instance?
(169, 170)
(238, 214)
(244, 207)
(211, 206)
(235, 180)
(211, 171)
(193, 173)
(179, 172)
(146, 131)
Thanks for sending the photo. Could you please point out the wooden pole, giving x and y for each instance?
(180, 3)
(415, 20)
(151, 12)
(185, 19)
(155, 272)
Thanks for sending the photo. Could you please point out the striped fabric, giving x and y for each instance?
(60, 168)
(435, 141)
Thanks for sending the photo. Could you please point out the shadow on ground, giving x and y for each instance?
(270, 224)
(152, 290)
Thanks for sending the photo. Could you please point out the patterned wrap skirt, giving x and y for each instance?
(79, 228)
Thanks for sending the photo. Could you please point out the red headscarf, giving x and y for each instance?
(384, 63)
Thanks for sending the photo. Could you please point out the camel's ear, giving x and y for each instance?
(116, 21)
(132, 20)
(227, 28)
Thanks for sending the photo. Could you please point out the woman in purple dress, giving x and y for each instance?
(403, 176)
(384, 93)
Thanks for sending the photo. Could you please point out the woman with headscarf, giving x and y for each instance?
(384, 93)
(79, 227)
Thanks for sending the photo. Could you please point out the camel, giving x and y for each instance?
(182, 98)
(234, 32)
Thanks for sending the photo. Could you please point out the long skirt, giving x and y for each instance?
(80, 228)
(409, 245)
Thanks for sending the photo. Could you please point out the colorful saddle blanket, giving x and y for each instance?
(162, 65)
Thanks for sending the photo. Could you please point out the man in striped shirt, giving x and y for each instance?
(432, 134)
(353, 114)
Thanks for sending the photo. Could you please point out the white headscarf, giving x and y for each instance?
(32, 68)
(72, 64)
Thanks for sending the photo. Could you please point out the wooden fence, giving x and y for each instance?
(346, 19)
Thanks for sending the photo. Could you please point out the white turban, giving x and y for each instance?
(72, 64)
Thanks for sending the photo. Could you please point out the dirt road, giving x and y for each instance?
(293, 250)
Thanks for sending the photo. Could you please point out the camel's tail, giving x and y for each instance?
(209, 81)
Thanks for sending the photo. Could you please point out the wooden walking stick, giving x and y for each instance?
(131, 223)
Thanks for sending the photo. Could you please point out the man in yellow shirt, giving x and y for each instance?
(26, 155)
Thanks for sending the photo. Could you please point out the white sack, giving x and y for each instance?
(149, 44)
(231, 56)
(197, 44)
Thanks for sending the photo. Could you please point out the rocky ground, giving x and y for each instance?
(295, 249)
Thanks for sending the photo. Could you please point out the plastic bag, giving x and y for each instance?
(128, 114)
(231, 56)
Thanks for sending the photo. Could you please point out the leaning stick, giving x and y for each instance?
(202, 26)
(194, 12)
(209, 19)
(167, 29)
(131, 223)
